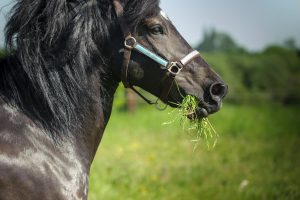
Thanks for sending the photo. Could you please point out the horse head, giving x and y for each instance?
(155, 57)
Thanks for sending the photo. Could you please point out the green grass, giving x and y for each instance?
(200, 129)
(257, 157)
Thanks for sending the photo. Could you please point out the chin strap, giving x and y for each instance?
(130, 43)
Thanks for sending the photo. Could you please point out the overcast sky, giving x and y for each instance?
(252, 23)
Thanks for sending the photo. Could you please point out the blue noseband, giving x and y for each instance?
(131, 43)
(173, 67)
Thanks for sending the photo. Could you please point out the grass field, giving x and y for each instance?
(257, 157)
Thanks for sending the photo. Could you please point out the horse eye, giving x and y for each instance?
(156, 29)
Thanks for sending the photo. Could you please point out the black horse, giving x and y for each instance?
(67, 57)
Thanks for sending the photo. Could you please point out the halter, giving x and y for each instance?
(173, 68)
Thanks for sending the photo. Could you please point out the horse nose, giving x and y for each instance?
(218, 91)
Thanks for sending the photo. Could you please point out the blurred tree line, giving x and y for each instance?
(272, 75)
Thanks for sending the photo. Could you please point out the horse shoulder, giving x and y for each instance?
(31, 166)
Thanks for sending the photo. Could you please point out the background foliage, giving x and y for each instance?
(254, 77)
(257, 157)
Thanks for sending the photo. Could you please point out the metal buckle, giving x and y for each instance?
(130, 42)
(175, 68)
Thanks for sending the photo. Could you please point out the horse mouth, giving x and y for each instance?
(204, 110)
(198, 114)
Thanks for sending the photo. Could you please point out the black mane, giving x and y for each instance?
(54, 45)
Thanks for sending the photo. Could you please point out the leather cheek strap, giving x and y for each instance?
(125, 68)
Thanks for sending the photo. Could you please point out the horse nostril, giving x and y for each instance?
(218, 91)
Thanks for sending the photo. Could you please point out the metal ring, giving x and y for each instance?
(176, 66)
(128, 44)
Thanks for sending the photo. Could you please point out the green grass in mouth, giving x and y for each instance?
(199, 128)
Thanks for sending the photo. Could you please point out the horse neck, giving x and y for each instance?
(82, 142)
(94, 124)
